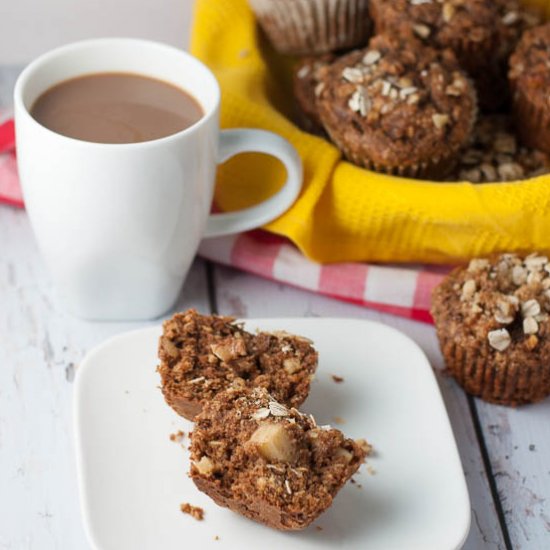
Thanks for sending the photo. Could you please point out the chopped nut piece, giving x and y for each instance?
(228, 351)
(204, 466)
(343, 453)
(530, 325)
(468, 290)
(422, 31)
(440, 120)
(337, 379)
(274, 443)
(170, 348)
(532, 342)
(291, 365)
(448, 11)
(499, 339)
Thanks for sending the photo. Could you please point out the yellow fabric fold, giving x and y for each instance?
(346, 213)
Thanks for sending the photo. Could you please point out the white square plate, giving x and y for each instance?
(133, 478)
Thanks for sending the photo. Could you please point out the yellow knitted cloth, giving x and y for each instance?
(346, 213)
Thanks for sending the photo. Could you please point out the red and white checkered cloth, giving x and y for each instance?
(400, 290)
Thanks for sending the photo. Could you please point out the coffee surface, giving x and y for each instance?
(116, 108)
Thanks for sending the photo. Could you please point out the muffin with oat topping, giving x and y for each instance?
(309, 27)
(481, 33)
(530, 81)
(201, 355)
(398, 107)
(269, 463)
(306, 89)
(492, 320)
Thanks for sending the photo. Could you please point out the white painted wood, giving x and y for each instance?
(248, 296)
(518, 443)
(40, 349)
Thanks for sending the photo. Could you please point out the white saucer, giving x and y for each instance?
(133, 478)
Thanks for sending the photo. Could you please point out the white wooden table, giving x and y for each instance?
(505, 453)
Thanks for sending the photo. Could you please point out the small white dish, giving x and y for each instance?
(133, 478)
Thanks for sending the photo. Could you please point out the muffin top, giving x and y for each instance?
(530, 66)
(397, 103)
(442, 24)
(504, 301)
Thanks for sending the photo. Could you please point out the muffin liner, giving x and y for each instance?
(532, 123)
(474, 367)
(313, 26)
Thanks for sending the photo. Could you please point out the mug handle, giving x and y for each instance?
(233, 142)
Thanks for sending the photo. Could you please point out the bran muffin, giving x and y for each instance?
(496, 156)
(492, 320)
(269, 463)
(398, 107)
(306, 89)
(308, 27)
(201, 355)
(529, 76)
(481, 33)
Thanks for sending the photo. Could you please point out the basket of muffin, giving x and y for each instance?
(441, 90)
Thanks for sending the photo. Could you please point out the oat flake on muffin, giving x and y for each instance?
(492, 320)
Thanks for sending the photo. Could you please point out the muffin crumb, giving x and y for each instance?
(195, 512)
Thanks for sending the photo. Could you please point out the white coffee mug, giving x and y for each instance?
(119, 224)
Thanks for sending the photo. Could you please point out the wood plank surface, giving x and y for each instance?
(40, 349)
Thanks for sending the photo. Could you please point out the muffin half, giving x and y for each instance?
(267, 462)
(201, 355)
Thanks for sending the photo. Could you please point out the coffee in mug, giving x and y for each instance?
(116, 108)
